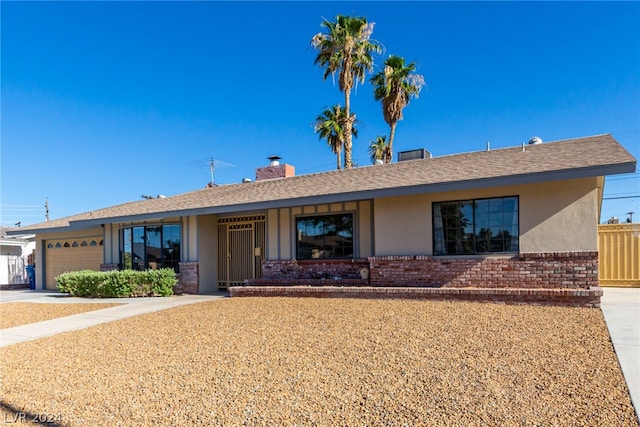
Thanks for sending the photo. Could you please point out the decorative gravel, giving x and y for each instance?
(22, 313)
(327, 362)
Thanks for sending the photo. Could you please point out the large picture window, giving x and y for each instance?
(476, 226)
(325, 236)
(151, 247)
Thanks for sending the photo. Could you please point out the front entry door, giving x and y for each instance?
(240, 250)
(239, 255)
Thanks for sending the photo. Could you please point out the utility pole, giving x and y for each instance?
(46, 209)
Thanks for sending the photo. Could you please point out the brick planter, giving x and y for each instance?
(560, 297)
(333, 269)
(558, 270)
(557, 278)
(188, 278)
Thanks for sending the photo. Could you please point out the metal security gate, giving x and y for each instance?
(240, 249)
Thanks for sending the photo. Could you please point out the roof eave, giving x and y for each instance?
(73, 226)
(529, 178)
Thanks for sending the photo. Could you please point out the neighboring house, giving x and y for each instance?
(15, 252)
(520, 218)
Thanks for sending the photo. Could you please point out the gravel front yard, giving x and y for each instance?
(287, 361)
(22, 313)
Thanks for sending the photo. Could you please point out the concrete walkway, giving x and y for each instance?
(621, 310)
(130, 307)
(620, 307)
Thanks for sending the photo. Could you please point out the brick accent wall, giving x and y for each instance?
(560, 297)
(309, 270)
(188, 278)
(272, 172)
(573, 270)
(109, 267)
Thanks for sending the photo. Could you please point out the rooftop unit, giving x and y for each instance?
(413, 155)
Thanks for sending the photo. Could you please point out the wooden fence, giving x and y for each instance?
(619, 255)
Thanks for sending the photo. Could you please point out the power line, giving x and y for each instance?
(620, 197)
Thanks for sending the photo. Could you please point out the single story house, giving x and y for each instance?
(513, 221)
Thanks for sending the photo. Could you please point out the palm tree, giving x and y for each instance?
(379, 149)
(394, 86)
(328, 125)
(345, 48)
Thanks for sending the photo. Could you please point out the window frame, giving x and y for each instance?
(475, 230)
(132, 232)
(324, 215)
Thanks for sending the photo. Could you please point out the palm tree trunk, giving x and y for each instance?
(392, 134)
(338, 155)
(347, 129)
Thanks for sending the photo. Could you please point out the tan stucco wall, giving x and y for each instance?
(364, 230)
(111, 244)
(208, 253)
(281, 244)
(402, 225)
(190, 239)
(555, 216)
(559, 217)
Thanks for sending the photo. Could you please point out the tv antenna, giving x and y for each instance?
(212, 164)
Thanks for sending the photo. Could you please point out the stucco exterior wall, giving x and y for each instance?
(402, 225)
(281, 244)
(554, 217)
(111, 244)
(190, 239)
(208, 253)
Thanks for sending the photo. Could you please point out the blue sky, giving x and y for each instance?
(102, 102)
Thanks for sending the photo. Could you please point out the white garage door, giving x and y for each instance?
(83, 253)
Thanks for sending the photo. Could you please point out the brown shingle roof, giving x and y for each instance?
(581, 157)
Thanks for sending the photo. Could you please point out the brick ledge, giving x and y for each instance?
(540, 296)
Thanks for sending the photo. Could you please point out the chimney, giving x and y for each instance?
(275, 170)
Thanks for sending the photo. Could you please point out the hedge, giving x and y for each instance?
(110, 284)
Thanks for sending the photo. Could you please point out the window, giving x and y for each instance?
(150, 247)
(326, 236)
(476, 226)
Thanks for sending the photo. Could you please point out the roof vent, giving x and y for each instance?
(275, 160)
(535, 140)
(413, 155)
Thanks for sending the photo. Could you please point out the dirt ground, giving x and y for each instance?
(325, 362)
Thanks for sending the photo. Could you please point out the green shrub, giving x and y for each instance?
(126, 283)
